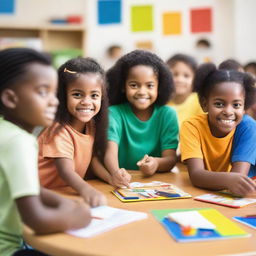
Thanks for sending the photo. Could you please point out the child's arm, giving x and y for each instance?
(66, 171)
(120, 177)
(100, 171)
(149, 165)
(236, 183)
(50, 212)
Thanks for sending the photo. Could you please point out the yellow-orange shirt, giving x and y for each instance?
(197, 141)
(65, 142)
(188, 108)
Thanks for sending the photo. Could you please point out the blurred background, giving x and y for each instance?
(91, 27)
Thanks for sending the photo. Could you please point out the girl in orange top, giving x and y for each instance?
(206, 140)
(77, 139)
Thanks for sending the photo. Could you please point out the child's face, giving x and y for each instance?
(225, 107)
(84, 99)
(35, 101)
(141, 87)
(182, 76)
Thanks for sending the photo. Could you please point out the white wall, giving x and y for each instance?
(233, 29)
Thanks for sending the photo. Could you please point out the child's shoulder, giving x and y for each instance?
(247, 123)
(198, 121)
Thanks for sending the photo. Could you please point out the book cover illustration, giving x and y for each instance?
(155, 190)
(189, 225)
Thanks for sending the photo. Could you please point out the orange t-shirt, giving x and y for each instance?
(197, 141)
(65, 142)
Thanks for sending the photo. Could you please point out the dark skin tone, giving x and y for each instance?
(27, 104)
(225, 107)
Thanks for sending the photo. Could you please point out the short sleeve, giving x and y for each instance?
(170, 130)
(60, 145)
(244, 149)
(115, 126)
(190, 142)
(20, 166)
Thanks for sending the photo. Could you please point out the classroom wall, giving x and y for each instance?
(232, 36)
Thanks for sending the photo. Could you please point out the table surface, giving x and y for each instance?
(147, 237)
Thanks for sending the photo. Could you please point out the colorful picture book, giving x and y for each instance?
(189, 225)
(247, 220)
(226, 199)
(155, 190)
(105, 218)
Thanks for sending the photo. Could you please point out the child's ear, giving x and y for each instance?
(204, 105)
(9, 98)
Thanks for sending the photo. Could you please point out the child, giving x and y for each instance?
(28, 85)
(184, 100)
(206, 140)
(67, 148)
(243, 149)
(143, 133)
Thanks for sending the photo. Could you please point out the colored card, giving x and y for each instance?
(172, 23)
(7, 6)
(142, 18)
(109, 11)
(225, 228)
(201, 20)
(251, 222)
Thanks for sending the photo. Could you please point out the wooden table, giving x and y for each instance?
(147, 237)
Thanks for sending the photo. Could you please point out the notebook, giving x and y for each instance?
(211, 225)
(106, 218)
(226, 200)
(155, 190)
(249, 221)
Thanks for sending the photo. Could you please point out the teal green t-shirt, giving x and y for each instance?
(18, 178)
(135, 138)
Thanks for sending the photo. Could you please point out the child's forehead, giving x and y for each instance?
(226, 88)
(87, 80)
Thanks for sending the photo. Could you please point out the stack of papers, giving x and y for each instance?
(106, 218)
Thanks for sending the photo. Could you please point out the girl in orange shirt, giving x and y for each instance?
(77, 139)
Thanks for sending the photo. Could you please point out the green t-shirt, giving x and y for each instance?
(18, 178)
(135, 138)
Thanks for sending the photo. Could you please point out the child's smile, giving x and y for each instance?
(225, 107)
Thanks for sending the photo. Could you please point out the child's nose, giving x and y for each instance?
(228, 110)
(85, 100)
(54, 100)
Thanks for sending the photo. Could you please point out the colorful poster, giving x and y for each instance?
(172, 23)
(7, 6)
(109, 11)
(201, 20)
(142, 18)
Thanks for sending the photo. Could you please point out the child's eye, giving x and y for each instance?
(43, 92)
(218, 104)
(77, 95)
(95, 96)
(237, 105)
(133, 86)
(150, 86)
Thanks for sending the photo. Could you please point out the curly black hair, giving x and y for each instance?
(84, 66)
(117, 76)
(207, 76)
(14, 66)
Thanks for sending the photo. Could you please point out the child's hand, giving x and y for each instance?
(79, 210)
(240, 184)
(93, 197)
(121, 178)
(148, 165)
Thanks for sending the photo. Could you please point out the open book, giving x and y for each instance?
(105, 218)
(155, 190)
